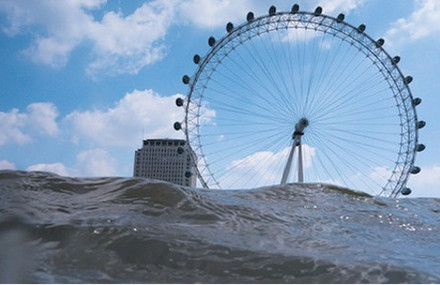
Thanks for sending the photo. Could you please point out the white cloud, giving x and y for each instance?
(57, 168)
(338, 6)
(61, 26)
(95, 162)
(124, 124)
(42, 117)
(16, 127)
(120, 44)
(4, 164)
(380, 173)
(50, 15)
(426, 183)
(127, 44)
(270, 158)
(298, 35)
(11, 124)
(92, 162)
(423, 22)
(214, 13)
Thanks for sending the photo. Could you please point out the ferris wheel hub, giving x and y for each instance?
(300, 126)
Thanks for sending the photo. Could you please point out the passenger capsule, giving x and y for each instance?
(396, 59)
(408, 80)
(180, 150)
(211, 41)
(188, 174)
(361, 28)
(318, 11)
(406, 191)
(229, 27)
(272, 10)
(420, 124)
(416, 101)
(420, 147)
(250, 16)
(415, 170)
(380, 42)
(177, 126)
(340, 18)
(295, 9)
(179, 102)
(196, 59)
(185, 79)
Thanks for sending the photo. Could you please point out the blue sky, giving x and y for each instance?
(82, 82)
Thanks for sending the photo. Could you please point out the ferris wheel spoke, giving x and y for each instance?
(361, 112)
(372, 121)
(278, 73)
(342, 96)
(256, 56)
(239, 81)
(362, 135)
(345, 80)
(372, 153)
(264, 108)
(250, 70)
(278, 62)
(250, 122)
(247, 142)
(243, 134)
(359, 91)
(364, 112)
(248, 147)
(364, 147)
(363, 85)
(273, 143)
(331, 166)
(289, 63)
(372, 96)
(238, 122)
(234, 109)
(328, 78)
(351, 166)
(242, 169)
(236, 81)
(341, 73)
(325, 70)
(323, 174)
(361, 141)
(315, 59)
(346, 145)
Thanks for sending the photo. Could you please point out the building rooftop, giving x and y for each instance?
(164, 142)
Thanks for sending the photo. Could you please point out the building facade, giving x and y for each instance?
(170, 160)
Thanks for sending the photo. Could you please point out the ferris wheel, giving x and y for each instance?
(300, 97)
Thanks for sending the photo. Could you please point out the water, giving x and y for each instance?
(129, 230)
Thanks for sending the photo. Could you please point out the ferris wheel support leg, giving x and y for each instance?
(288, 164)
(296, 136)
(300, 162)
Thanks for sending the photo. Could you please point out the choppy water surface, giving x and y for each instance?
(127, 230)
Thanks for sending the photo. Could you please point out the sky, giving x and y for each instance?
(82, 82)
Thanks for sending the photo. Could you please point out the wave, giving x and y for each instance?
(57, 229)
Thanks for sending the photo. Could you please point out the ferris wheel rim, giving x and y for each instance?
(342, 30)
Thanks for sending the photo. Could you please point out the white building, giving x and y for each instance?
(166, 159)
